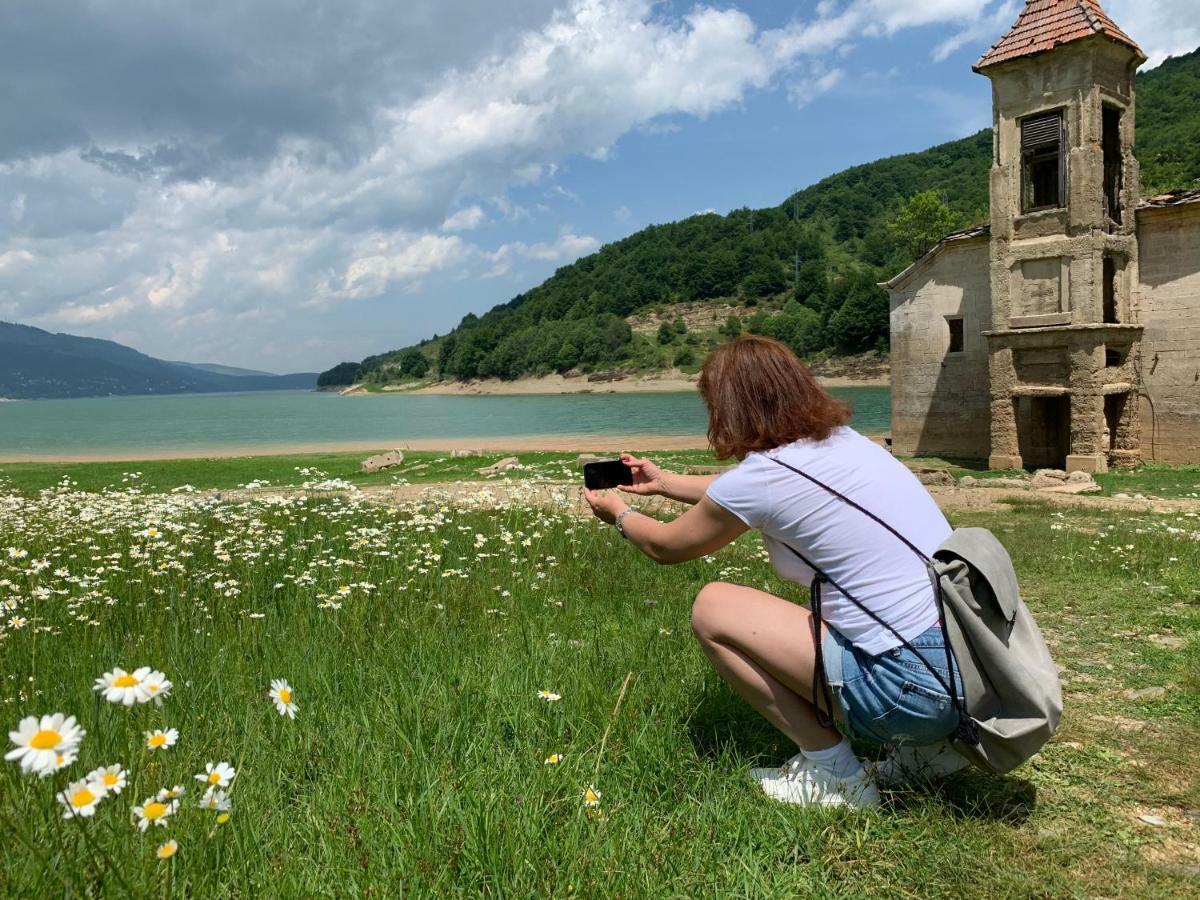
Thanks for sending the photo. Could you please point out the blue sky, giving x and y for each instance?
(286, 185)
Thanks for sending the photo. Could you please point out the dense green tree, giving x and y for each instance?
(341, 375)
(666, 334)
(922, 222)
(861, 321)
(413, 363)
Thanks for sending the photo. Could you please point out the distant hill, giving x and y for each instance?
(217, 369)
(804, 271)
(36, 364)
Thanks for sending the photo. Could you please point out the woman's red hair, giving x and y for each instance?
(761, 396)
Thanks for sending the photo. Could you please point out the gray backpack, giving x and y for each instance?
(1012, 699)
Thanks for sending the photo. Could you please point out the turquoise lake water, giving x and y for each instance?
(191, 423)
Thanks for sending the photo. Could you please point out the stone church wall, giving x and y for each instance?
(1170, 306)
(940, 402)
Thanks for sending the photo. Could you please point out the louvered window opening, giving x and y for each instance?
(1043, 163)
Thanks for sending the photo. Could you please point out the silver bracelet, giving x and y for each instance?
(619, 519)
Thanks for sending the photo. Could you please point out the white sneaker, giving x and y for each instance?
(802, 782)
(761, 775)
(905, 765)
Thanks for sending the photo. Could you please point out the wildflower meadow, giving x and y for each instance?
(322, 693)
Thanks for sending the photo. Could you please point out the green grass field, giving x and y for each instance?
(417, 639)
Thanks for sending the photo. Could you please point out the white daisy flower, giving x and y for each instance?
(553, 759)
(217, 775)
(119, 686)
(161, 740)
(549, 696)
(281, 693)
(156, 687)
(167, 850)
(80, 797)
(45, 745)
(591, 797)
(112, 778)
(216, 800)
(172, 793)
(153, 812)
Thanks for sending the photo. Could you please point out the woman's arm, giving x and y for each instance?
(649, 479)
(703, 529)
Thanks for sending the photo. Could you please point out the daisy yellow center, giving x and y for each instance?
(45, 740)
(125, 681)
(154, 810)
(214, 777)
(109, 779)
(152, 688)
(285, 696)
(166, 852)
(222, 818)
(82, 797)
(157, 740)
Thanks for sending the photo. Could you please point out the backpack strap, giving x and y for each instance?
(966, 730)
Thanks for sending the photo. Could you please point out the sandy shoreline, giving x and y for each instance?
(669, 382)
(514, 444)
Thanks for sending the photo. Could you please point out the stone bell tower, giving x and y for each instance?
(1064, 341)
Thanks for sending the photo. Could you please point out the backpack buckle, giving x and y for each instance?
(967, 731)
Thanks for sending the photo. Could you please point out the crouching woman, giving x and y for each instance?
(766, 411)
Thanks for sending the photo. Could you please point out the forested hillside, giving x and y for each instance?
(805, 271)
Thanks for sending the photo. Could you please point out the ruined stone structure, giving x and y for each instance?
(1066, 332)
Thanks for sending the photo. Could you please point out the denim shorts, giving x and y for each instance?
(892, 698)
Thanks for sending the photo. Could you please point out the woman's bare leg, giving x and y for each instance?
(762, 645)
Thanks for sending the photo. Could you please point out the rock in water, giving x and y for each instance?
(382, 461)
(509, 462)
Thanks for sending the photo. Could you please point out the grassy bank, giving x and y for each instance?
(420, 467)
(417, 640)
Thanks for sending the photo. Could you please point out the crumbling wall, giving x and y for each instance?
(940, 399)
(1169, 301)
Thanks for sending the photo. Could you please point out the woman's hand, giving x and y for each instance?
(606, 505)
(647, 476)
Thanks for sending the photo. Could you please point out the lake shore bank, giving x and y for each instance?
(664, 383)
(512, 444)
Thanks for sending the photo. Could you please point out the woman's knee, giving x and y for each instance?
(707, 609)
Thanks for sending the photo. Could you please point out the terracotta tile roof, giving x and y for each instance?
(1174, 198)
(1045, 24)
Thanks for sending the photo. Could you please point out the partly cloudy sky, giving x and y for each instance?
(283, 185)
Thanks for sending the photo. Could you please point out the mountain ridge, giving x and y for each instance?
(37, 364)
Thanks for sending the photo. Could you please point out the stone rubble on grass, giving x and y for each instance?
(382, 461)
(462, 454)
(509, 462)
(1150, 693)
(1056, 481)
(936, 477)
(587, 458)
(1172, 641)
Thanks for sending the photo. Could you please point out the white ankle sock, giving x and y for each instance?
(838, 759)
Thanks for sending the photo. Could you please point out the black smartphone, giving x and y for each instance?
(609, 473)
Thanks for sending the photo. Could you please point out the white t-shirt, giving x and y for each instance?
(856, 552)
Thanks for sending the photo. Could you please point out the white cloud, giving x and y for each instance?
(465, 219)
(1162, 28)
(391, 259)
(805, 90)
(14, 258)
(985, 30)
(567, 248)
(84, 314)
